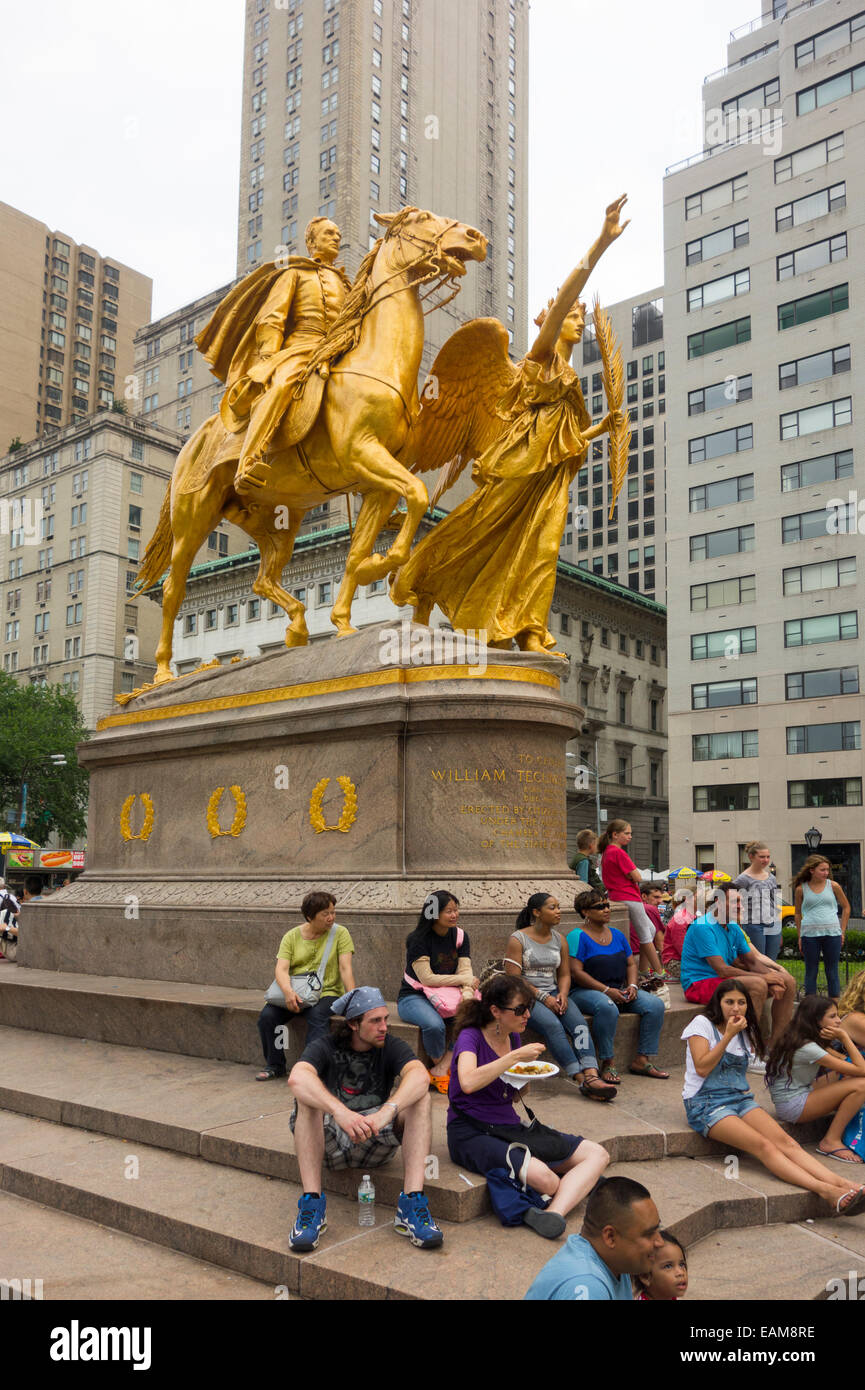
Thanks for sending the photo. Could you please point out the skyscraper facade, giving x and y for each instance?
(358, 107)
(67, 328)
(765, 341)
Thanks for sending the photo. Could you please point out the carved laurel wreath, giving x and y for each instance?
(126, 828)
(349, 806)
(239, 812)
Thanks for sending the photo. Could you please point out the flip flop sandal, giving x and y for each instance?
(587, 1089)
(855, 1206)
(839, 1155)
(269, 1074)
(610, 1076)
(654, 1072)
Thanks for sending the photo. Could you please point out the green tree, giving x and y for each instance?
(36, 721)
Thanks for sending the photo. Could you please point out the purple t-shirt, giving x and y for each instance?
(494, 1104)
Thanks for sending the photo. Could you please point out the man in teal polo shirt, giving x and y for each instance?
(620, 1236)
(716, 949)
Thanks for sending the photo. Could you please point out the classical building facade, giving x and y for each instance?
(76, 512)
(67, 327)
(765, 340)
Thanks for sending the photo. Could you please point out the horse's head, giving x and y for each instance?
(429, 245)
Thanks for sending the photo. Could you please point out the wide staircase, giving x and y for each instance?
(139, 1159)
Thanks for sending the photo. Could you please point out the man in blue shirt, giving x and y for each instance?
(620, 1235)
(716, 949)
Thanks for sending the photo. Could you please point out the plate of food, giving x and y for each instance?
(531, 1071)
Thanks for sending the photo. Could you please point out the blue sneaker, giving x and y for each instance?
(413, 1219)
(310, 1224)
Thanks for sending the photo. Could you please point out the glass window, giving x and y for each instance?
(707, 747)
(828, 416)
(716, 339)
(829, 627)
(709, 446)
(715, 244)
(717, 694)
(825, 574)
(814, 368)
(714, 291)
(802, 161)
(825, 791)
(833, 89)
(807, 258)
(805, 685)
(731, 541)
(742, 796)
(824, 738)
(721, 593)
(730, 643)
(825, 468)
(718, 494)
(717, 196)
(722, 393)
(811, 207)
(813, 306)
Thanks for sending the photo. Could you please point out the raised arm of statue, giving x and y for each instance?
(270, 324)
(545, 344)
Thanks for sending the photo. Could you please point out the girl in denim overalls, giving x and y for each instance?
(721, 1041)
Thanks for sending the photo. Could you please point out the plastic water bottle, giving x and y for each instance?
(366, 1199)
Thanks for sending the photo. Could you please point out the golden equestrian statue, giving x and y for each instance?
(491, 564)
(356, 412)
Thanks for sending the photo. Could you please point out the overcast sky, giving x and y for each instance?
(121, 126)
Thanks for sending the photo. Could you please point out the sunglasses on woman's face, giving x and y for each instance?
(519, 1009)
(598, 907)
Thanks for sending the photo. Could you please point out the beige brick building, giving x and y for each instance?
(76, 511)
(765, 340)
(66, 330)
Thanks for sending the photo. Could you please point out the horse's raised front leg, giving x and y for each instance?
(378, 468)
(375, 509)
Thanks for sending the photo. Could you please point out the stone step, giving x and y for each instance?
(212, 1020)
(240, 1220)
(787, 1263)
(214, 1110)
(50, 1255)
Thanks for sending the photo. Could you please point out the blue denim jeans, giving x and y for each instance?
(567, 1037)
(417, 1009)
(767, 943)
(830, 949)
(605, 1018)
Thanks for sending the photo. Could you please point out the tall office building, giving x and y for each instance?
(76, 511)
(353, 107)
(629, 546)
(765, 338)
(69, 318)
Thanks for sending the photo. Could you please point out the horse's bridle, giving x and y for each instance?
(436, 271)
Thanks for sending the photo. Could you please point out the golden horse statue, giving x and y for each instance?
(368, 366)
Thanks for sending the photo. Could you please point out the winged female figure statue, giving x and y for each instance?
(490, 565)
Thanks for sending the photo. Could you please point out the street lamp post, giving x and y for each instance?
(813, 839)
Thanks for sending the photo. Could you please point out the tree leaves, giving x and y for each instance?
(36, 721)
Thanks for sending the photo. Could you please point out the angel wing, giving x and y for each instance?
(458, 419)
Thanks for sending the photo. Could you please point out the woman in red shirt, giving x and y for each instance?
(621, 880)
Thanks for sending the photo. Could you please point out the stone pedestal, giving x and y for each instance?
(379, 766)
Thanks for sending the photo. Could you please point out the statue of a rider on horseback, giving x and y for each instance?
(321, 399)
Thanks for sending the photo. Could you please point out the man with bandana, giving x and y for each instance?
(346, 1117)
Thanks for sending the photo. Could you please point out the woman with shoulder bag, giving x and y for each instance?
(482, 1123)
(313, 967)
(438, 977)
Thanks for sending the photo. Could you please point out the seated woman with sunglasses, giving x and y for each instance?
(604, 984)
(481, 1102)
(537, 954)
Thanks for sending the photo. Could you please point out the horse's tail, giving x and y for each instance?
(158, 552)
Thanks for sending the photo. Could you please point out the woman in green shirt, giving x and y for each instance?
(301, 951)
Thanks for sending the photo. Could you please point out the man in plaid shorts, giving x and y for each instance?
(345, 1116)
